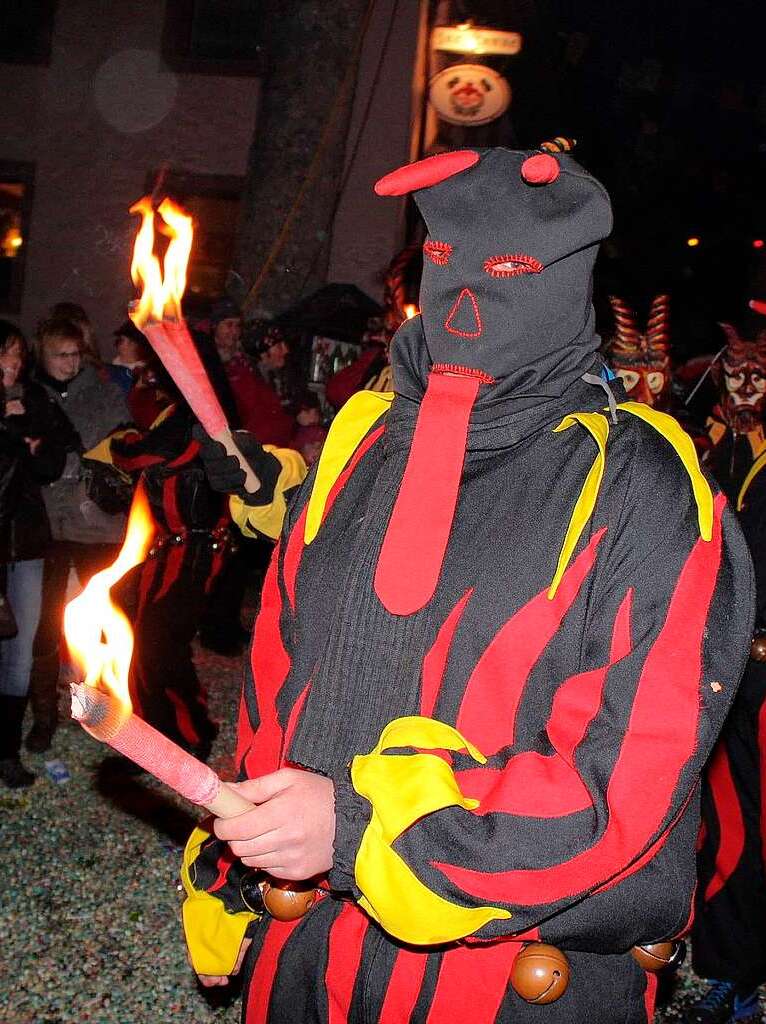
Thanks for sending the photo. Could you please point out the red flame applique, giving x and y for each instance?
(435, 662)
(666, 741)
(270, 665)
(549, 785)
(494, 691)
(731, 823)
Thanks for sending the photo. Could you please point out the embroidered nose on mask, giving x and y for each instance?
(464, 318)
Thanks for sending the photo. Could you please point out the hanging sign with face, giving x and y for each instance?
(469, 94)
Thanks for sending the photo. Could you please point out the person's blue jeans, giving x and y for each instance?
(24, 588)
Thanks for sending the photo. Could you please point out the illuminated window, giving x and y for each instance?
(213, 201)
(26, 31)
(219, 37)
(15, 202)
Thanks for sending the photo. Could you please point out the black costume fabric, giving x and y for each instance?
(729, 933)
(525, 675)
(188, 552)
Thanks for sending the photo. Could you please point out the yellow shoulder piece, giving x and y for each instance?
(346, 433)
(213, 935)
(598, 428)
(254, 520)
(752, 473)
(402, 789)
(166, 413)
(715, 430)
(674, 433)
(102, 452)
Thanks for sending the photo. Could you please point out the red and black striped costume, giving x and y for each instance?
(188, 552)
(729, 934)
(510, 613)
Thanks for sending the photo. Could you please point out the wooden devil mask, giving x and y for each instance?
(743, 380)
(642, 358)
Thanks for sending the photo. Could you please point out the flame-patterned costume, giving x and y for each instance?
(729, 937)
(641, 359)
(507, 621)
(189, 550)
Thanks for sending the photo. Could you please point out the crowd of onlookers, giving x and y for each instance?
(77, 435)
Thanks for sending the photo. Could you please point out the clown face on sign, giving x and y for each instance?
(642, 359)
(743, 380)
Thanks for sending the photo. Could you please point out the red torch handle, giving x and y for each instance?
(103, 717)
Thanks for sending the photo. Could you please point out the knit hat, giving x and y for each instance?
(128, 329)
(224, 309)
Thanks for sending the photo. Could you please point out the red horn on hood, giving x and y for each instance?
(426, 172)
(540, 169)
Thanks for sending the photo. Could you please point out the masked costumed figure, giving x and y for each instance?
(642, 359)
(190, 548)
(503, 625)
(729, 935)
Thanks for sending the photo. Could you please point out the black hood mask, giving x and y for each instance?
(505, 334)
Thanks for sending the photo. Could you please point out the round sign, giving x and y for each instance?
(469, 94)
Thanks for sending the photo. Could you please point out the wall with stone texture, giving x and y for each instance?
(95, 123)
(369, 230)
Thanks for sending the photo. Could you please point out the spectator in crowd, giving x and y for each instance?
(258, 405)
(84, 535)
(370, 372)
(75, 314)
(131, 351)
(33, 450)
(309, 433)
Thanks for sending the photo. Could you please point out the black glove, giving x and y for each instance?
(224, 472)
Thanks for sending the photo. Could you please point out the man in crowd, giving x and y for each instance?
(259, 407)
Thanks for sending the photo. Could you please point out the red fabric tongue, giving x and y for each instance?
(413, 549)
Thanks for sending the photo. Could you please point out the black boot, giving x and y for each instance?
(44, 698)
(12, 771)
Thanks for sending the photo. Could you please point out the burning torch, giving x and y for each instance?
(98, 634)
(158, 315)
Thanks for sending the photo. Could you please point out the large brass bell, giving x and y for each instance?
(287, 901)
(540, 973)
(656, 956)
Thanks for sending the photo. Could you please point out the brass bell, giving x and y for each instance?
(758, 647)
(540, 973)
(656, 956)
(286, 901)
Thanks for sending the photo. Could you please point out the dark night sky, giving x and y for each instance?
(719, 39)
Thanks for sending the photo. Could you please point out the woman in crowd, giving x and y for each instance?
(33, 453)
(85, 536)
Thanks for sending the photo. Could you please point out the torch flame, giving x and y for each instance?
(98, 634)
(162, 290)
(410, 310)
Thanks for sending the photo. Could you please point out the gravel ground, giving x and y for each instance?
(90, 903)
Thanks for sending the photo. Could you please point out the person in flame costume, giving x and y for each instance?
(641, 359)
(729, 934)
(190, 548)
(503, 624)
